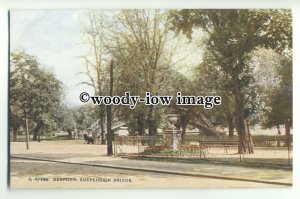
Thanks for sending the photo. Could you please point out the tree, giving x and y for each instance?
(143, 52)
(84, 116)
(35, 93)
(233, 34)
(213, 81)
(66, 119)
(186, 113)
(280, 99)
(95, 37)
(15, 121)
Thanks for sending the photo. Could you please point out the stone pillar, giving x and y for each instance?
(174, 134)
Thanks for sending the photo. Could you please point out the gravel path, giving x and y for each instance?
(76, 152)
(31, 174)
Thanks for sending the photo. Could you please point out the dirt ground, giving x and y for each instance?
(58, 147)
(39, 174)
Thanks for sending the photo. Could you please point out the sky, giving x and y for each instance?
(55, 38)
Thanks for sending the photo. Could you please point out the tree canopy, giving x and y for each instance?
(35, 92)
(232, 36)
(242, 55)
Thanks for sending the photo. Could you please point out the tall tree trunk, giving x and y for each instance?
(244, 145)
(15, 133)
(35, 134)
(151, 121)
(34, 138)
(37, 129)
(184, 122)
(278, 129)
(102, 120)
(14, 121)
(102, 131)
(228, 115)
(70, 133)
(141, 123)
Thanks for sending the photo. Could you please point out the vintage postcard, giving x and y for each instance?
(150, 98)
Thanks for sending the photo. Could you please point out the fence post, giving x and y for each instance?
(288, 138)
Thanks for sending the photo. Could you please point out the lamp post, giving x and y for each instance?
(109, 114)
(26, 129)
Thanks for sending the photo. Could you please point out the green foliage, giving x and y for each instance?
(143, 55)
(233, 35)
(66, 119)
(211, 80)
(35, 93)
(280, 99)
(84, 116)
(142, 45)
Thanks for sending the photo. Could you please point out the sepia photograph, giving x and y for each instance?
(150, 98)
